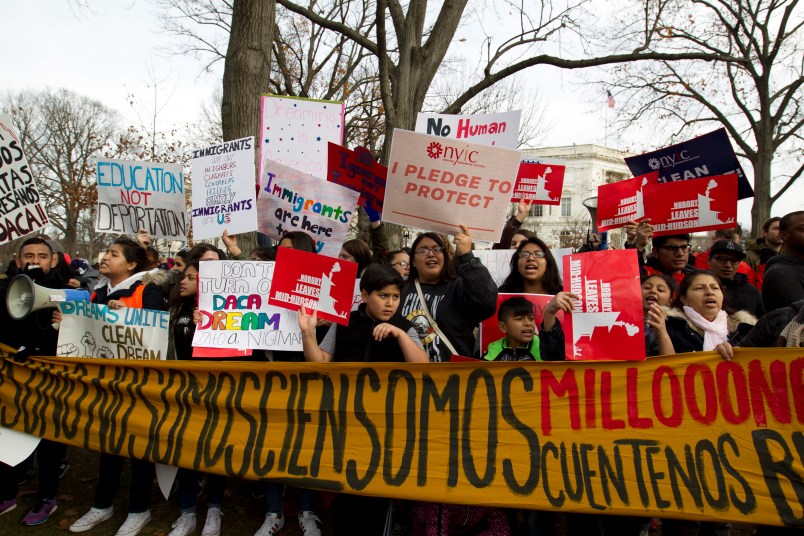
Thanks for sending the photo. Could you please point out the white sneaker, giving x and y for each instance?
(212, 526)
(309, 523)
(184, 525)
(134, 523)
(91, 518)
(273, 524)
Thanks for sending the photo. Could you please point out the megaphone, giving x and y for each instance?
(591, 205)
(24, 297)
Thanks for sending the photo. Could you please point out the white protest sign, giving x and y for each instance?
(438, 184)
(15, 447)
(165, 476)
(233, 302)
(500, 129)
(295, 132)
(290, 200)
(93, 330)
(21, 209)
(135, 195)
(224, 189)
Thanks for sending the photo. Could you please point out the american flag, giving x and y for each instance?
(610, 99)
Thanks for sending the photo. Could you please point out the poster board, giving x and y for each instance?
(498, 129)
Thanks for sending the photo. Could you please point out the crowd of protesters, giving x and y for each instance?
(421, 304)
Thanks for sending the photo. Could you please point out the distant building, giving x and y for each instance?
(587, 167)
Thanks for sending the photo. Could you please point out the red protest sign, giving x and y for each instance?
(692, 205)
(620, 202)
(490, 328)
(607, 322)
(318, 282)
(539, 183)
(358, 171)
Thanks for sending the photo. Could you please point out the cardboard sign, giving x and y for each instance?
(607, 322)
(358, 171)
(439, 184)
(687, 436)
(539, 183)
(93, 330)
(499, 129)
(710, 154)
(693, 205)
(290, 200)
(223, 189)
(490, 327)
(621, 202)
(135, 195)
(320, 283)
(233, 302)
(21, 208)
(295, 132)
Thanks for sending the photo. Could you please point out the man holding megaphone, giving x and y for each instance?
(33, 335)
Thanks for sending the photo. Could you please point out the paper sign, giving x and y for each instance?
(607, 322)
(21, 208)
(290, 200)
(500, 129)
(93, 330)
(621, 202)
(295, 132)
(438, 184)
(15, 447)
(317, 282)
(358, 171)
(490, 327)
(165, 476)
(693, 205)
(223, 189)
(135, 195)
(233, 302)
(539, 183)
(710, 154)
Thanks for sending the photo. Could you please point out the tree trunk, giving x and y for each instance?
(245, 77)
(760, 212)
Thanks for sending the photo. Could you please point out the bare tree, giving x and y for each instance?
(62, 134)
(759, 97)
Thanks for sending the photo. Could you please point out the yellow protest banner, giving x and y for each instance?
(688, 436)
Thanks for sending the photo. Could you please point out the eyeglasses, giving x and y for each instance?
(725, 260)
(402, 264)
(676, 249)
(539, 254)
(423, 252)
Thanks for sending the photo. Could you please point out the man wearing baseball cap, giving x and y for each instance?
(738, 294)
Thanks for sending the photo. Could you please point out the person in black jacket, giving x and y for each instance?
(738, 293)
(783, 282)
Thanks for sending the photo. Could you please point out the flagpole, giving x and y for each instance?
(606, 123)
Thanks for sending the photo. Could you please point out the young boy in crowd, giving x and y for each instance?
(374, 333)
(519, 325)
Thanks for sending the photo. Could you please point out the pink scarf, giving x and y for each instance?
(715, 332)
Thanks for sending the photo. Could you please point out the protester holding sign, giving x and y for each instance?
(122, 285)
(445, 298)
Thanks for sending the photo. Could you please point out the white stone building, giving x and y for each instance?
(587, 167)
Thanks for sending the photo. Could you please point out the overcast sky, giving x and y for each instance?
(108, 53)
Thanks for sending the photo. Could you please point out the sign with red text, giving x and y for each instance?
(490, 327)
(607, 322)
(693, 205)
(21, 208)
(439, 184)
(235, 313)
(290, 200)
(317, 282)
(295, 132)
(223, 189)
(706, 155)
(621, 202)
(499, 129)
(541, 184)
(358, 171)
(135, 195)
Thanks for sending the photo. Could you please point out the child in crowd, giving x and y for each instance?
(517, 322)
